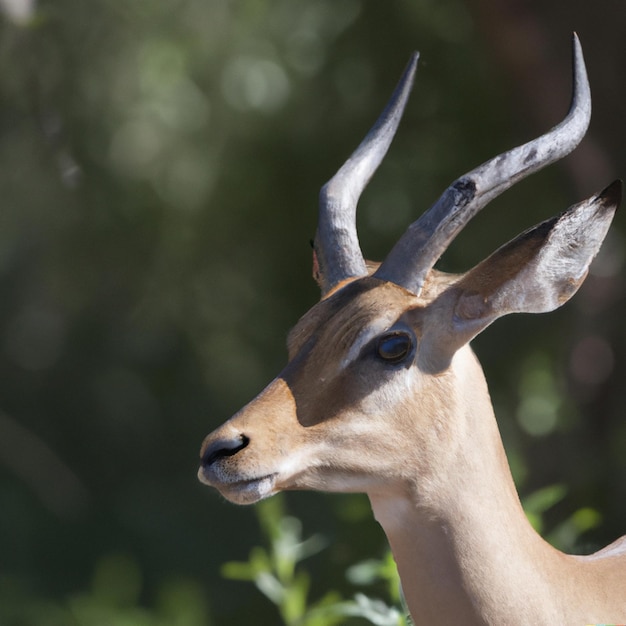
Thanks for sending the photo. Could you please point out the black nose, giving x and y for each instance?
(221, 448)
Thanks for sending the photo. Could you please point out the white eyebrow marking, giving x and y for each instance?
(366, 335)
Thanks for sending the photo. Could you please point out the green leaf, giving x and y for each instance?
(270, 587)
(566, 535)
(543, 499)
(237, 570)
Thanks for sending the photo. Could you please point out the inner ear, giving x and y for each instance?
(535, 273)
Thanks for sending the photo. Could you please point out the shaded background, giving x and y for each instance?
(159, 170)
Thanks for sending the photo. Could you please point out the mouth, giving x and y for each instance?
(246, 491)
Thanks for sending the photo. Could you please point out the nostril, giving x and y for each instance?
(222, 448)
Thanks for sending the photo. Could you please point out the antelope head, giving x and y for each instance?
(381, 385)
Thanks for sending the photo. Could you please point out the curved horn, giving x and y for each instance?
(336, 242)
(426, 239)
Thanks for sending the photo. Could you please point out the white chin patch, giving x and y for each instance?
(249, 491)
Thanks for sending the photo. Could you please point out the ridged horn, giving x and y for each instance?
(337, 247)
(426, 239)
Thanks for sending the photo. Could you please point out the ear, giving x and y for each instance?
(537, 272)
(316, 272)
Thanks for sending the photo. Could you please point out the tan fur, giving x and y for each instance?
(426, 484)
(420, 438)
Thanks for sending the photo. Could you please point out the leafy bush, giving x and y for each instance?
(275, 572)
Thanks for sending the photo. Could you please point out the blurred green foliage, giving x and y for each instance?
(114, 597)
(160, 164)
(275, 572)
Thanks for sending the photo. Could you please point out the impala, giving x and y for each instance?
(383, 395)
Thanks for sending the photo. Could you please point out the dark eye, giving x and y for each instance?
(394, 347)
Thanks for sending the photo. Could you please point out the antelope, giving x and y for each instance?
(382, 393)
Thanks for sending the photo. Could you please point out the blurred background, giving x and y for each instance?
(159, 170)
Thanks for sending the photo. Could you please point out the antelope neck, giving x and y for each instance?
(464, 548)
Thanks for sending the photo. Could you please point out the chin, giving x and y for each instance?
(246, 491)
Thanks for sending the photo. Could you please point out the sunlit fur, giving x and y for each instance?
(311, 427)
(419, 436)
